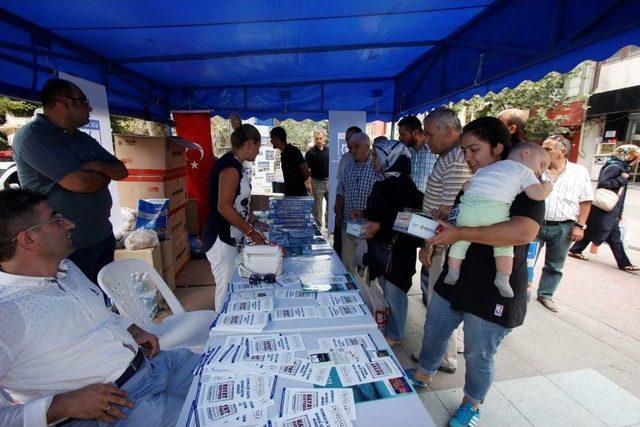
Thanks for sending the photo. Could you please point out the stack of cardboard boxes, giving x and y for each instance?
(157, 170)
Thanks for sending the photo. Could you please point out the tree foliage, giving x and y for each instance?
(538, 97)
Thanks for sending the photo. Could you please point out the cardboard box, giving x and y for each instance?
(415, 224)
(177, 222)
(166, 249)
(356, 228)
(136, 187)
(169, 275)
(192, 217)
(152, 256)
(149, 153)
(181, 251)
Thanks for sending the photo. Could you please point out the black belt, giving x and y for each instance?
(569, 221)
(133, 367)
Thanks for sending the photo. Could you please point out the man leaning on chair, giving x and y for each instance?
(64, 357)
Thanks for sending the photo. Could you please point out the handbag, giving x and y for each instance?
(378, 257)
(606, 199)
(260, 259)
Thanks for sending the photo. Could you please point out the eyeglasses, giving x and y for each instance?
(58, 219)
(254, 279)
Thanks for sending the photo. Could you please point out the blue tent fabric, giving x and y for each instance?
(299, 59)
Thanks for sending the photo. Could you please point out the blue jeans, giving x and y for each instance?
(157, 390)
(481, 340)
(556, 239)
(398, 304)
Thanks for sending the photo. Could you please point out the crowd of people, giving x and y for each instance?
(65, 358)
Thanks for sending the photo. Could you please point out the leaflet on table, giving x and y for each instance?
(333, 311)
(249, 305)
(383, 389)
(324, 416)
(231, 387)
(294, 294)
(341, 356)
(249, 322)
(248, 295)
(364, 340)
(339, 299)
(262, 344)
(323, 278)
(244, 285)
(361, 373)
(230, 413)
(297, 400)
(294, 313)
(288, 280)
(299, 369)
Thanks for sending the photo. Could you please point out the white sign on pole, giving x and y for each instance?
(339, 122)
(99, 127)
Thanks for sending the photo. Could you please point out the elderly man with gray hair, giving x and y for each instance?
(353, 191)
(566, 212)
(443, 129)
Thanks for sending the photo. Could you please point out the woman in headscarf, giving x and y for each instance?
(604, 226)
(391, 256)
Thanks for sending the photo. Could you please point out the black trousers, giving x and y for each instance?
(614, 240)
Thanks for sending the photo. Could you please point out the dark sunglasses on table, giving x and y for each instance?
(254, 279)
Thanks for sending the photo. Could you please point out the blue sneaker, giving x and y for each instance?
(465, 416)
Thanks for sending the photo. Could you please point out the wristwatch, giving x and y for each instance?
(581, 226)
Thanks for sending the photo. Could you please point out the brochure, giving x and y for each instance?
(333, 311)
(324, 416)
(297, 400)
(364, 340)
(361, 373)
(339, 299)
(248, 305)
(294, 313)
(250, 322)
(262, 344)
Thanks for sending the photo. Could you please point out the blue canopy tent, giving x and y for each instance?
(296, 59)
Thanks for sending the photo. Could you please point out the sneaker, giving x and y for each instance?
(465, 416)
(447, 369)
(549, 304)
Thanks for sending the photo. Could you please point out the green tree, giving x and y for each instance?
(539, 97)
(17, 108)
(300, 134)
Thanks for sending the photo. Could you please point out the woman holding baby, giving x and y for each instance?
(489, 300)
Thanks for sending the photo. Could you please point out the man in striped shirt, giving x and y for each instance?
(443, 130)
(565, 217)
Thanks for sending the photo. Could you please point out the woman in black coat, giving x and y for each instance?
(391, 256)
(604, 226)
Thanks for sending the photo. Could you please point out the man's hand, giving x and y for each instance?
(95, 401)
(575, 234)
(371, 228)
(447, 235)
(147, 341)
(425, 254)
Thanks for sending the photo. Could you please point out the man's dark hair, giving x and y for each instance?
(410, 122)
(520, 133)
(55, 89)
(17, 212)
(279, 132)
(353, 129)
(244, 133)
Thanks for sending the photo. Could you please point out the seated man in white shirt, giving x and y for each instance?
(63, 355)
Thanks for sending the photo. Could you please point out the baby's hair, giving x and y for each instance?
(526, 145)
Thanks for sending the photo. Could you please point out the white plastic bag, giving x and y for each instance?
(129, 216)
(141, 239)
(373, 297)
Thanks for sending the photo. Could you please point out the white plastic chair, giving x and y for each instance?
(182, 329)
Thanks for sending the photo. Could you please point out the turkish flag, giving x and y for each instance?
(195, 126)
